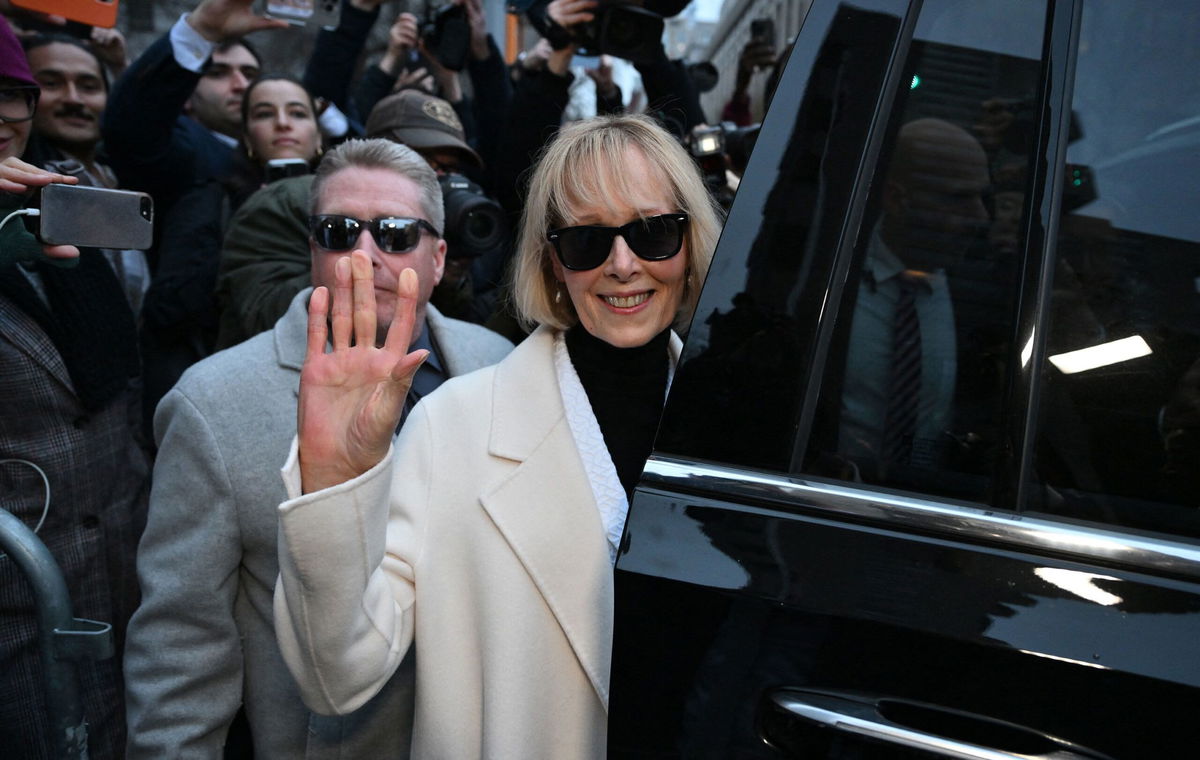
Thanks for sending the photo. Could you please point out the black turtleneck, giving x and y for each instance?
(626, 388)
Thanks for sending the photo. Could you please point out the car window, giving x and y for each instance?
(738, 394)
(1119, 423)
(861, 324)
(913, 391)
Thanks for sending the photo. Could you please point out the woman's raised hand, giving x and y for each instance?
(351, 398)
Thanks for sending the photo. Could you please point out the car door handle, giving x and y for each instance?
(940, 731)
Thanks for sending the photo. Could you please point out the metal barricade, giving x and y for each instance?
(64, 640)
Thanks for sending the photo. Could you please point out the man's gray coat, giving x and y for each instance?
(202, 642)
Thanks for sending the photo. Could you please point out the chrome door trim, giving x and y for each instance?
(911, 513)
(852, 716)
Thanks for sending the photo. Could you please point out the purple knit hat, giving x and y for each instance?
(13, 63)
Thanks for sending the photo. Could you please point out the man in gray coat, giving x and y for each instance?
(202, 642)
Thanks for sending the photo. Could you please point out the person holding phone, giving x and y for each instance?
(757, 55)
(71, 461)
(66, 133)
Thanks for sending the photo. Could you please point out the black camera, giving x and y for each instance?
(447, 36)
(475, 224)
(718, 148)
(625, 31)
(282, 168)
(619, 29)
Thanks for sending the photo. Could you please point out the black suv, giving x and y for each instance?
(928, 479)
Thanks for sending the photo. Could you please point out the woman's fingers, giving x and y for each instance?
(60, 251)
(318, 326)
(400, 331)
(364, 299)
(18, 176)
(341, 317)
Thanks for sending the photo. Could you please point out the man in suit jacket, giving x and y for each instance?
(203, 642)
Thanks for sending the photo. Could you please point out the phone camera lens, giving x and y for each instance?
(148, 209)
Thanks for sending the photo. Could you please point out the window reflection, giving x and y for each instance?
(913, 392)
(1119, 440)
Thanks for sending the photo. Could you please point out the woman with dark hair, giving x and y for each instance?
(487, 532)
(279, 121)
(180, 315)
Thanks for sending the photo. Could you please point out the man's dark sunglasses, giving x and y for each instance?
(654, 238)
(393, 234)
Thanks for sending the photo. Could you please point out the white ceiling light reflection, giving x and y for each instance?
(1102, 355)
(1080, 584)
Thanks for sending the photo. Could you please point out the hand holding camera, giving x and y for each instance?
(478, 24)
(568, 13)
(619, 28)
(602, 75)
(758, 54)
(402, 42)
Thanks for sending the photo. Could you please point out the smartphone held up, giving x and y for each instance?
(321, 13)
(91, 12)
(94, 217)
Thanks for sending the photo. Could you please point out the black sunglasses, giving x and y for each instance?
(654, 238)
(393, 234)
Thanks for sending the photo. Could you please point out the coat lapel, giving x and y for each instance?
(291, 336)
(28, 336)
(545, 510)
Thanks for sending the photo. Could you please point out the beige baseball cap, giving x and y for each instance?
(420, 120)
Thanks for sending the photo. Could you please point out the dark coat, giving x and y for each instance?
(99, 483)
(151, 145)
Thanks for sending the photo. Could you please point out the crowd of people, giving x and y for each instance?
(311, 280)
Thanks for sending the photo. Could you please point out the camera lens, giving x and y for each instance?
(479, 226)
(475, 224)
(623, 33)
(147, 208)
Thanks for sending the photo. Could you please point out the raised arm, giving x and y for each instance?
(141, 134)
(345, 593)
(335, 54)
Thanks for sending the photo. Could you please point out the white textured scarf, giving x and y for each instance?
(597, 464)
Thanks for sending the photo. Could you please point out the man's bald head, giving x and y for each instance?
(934, 198)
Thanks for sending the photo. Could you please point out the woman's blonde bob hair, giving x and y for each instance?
(583, 168)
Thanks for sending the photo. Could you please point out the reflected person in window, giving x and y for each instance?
(902, 356)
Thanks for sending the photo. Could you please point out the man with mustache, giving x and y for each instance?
(66, 132)
(74, 93)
